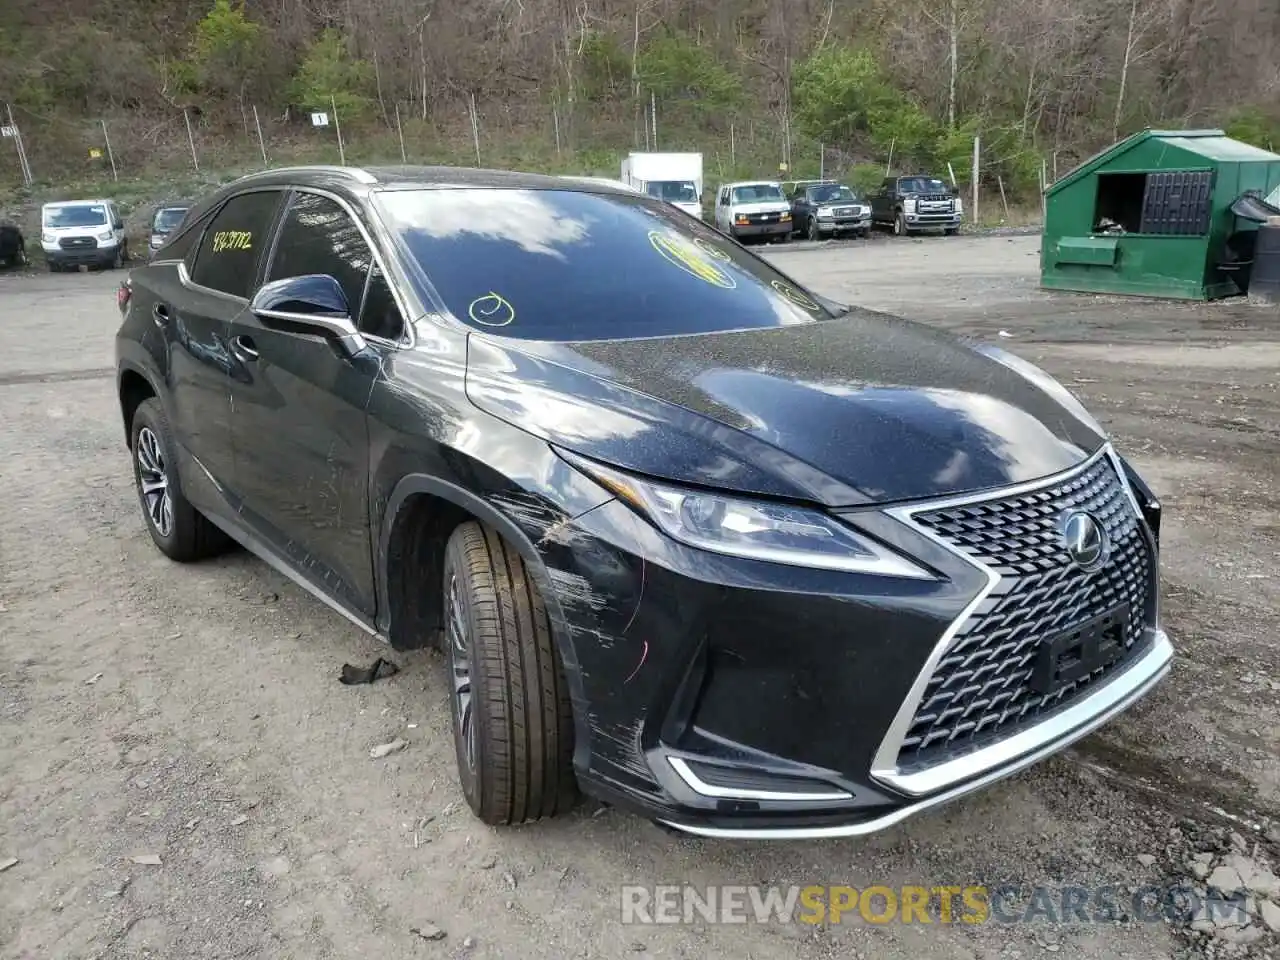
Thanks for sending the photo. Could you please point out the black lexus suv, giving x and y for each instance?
(692, 538)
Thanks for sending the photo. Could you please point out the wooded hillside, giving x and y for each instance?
(567, 84)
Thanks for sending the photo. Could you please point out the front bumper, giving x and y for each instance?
(86, 256)
(762, 229)
(736, 698)
(844, 225)
(923, 221)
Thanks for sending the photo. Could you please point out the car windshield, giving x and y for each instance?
(922, 185)
(757, 193)
(568, 265)
(674, 191)
(169, 218)
(831, 193)
(80, 215)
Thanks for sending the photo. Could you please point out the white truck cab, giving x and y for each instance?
(673, 177)
(89, 232)
(754, 208)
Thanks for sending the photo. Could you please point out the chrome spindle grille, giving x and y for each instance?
(981, 691)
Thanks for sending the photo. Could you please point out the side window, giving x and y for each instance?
(724, 197)
(181, 246)
(318, 236)
(228, 255)
(380, 317)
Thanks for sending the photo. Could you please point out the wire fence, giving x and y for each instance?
(185, 143)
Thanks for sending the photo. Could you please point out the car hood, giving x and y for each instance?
(863, 408)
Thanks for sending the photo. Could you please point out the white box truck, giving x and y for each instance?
(673, 177)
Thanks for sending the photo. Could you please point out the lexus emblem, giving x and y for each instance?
(1085, 540)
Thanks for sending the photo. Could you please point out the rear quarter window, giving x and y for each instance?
(568, 265)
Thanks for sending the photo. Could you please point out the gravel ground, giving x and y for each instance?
(193, 714)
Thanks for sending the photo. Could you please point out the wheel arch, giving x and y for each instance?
(424, 510)
(133, 386)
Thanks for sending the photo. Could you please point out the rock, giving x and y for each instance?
(1205, 858)
(1254, 877)
(1146, 859)
(1226, 880)
(509, 879)
(146, 860)
(1270, 915)
(1238, 842)
(428, 931)
(1203, 925)
(487, 863)
(239, 821)
(6, 864)
(468, 943)
(1239, 935)
(1199, 870)
(386, 749)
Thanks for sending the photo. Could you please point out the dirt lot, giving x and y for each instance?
(195, 714)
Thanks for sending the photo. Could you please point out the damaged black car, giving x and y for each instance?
(691, 538)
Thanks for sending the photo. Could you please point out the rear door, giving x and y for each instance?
(194, 304)
(301, 440)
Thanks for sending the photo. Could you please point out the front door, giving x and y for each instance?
(298, 411)
(194, 305)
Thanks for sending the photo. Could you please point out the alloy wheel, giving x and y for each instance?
(153, 482)
(460, 669)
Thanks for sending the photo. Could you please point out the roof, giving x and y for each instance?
(419, 177)
(1212, 145)
(758, 183)
(76, 203)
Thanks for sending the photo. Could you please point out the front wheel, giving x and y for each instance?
(900, 225)
(814, 232)
(512, 719)
(118, 260)
(952, 231)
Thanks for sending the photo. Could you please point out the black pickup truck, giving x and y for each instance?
(919, 202)
(828, 209)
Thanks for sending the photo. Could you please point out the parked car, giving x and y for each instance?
(911, 204)
(691, 537)
(13, 246)
(166, 220)
(791, 187)
(78, 233)
(754, 209)
(606, 180)
(829, 210)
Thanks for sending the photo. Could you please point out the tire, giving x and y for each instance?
(900, 225)
(813, 232)
(54, 268)
(179, 531)
(21, 259)
(118, 260)
(952, 231)
(512, 719)
(784, 238)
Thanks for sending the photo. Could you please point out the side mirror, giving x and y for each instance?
(314, 303)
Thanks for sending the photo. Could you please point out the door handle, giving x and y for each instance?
(244, 348)
(160, 314)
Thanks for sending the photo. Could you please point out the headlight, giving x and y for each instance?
(48, 238)
(1045, 382)
(753, 529)
(105, 235)
(825, 213)
(786, 215)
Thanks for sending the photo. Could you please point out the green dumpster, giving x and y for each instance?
(1152, 215)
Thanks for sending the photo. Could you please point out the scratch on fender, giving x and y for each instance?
(644, 655)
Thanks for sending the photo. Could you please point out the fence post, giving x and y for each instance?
(404, 157)
(342, 152)
(110, 153)
(977, 168)
(733, 152)
(822, 161)
(653, 109)
(889, 166)
(262, 144)
(23, 163)
(555, 118)
(475, 127)
(195, 161)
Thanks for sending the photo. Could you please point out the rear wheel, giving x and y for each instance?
(512, 720)
(179, 530)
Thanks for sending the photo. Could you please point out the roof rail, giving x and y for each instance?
(355, 173)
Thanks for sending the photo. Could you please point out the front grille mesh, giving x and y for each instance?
(980, 691)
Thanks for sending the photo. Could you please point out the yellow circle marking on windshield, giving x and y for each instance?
(711, 250)
(491, 310)
(794, 295)
(690, 258)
